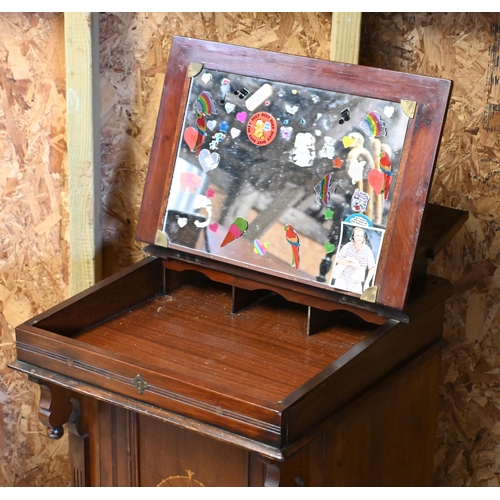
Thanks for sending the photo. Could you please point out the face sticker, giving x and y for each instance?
(304, 152)
(205, 104)
(262, 128)
(236, 229)
(293, 238)
(355, 170)
(255, 100)
(328, 149)
(190, 182)
(208, 160)
(201, 201)
(359, 200)
(345, 116)
(373, 125)
(260, 248)
(241, 116)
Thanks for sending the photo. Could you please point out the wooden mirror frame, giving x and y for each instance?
(427, 99)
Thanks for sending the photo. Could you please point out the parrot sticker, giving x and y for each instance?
(293, 238)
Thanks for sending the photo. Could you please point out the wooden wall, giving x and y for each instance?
(134, 51)
(33, 225)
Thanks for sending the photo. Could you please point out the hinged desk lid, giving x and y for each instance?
(307, 173)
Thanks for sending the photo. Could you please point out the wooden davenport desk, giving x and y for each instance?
(211, 364)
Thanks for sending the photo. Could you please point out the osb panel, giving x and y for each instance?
(33, 220)
(464, 48)
(134, 53)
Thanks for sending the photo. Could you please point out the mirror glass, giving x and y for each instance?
(277, 177)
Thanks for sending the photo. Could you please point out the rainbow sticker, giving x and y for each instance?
(260, 248)
(205, 104)
(373, 125)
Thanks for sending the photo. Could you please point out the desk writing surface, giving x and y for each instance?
(261, 352)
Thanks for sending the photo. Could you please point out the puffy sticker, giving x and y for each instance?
(376, 180)
(213, 227)
(388, 111)
(328, 214)
(211, 124)
(182, 221)
(329, 247)
(338, 162)
(229, 107)
(291, 109)
(206, 77)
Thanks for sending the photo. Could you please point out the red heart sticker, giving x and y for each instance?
(376, 180)
(191, 136)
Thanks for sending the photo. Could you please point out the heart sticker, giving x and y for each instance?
(329, 247)
(229, 107)
(211, 124)
(213, 227)
(206, 77)
(347, 141)
(182, 221)
(208, 160)
(191, 136)
(376, 180)
(241, 116)
(388, 111)
(235, 132)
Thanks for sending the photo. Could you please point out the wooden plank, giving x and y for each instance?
(346, 33)
(81, 39)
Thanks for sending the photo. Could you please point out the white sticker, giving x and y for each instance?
(256, 99)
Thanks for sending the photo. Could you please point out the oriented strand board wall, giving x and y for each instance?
(33, 221)
(464, 48)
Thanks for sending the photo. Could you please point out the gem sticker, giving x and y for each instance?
(359, 200)
(262, 128)
(286, 133)
(236, 229)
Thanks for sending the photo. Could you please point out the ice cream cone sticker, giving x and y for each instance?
(236, 229)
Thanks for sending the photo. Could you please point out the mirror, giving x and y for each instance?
(275, 176)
